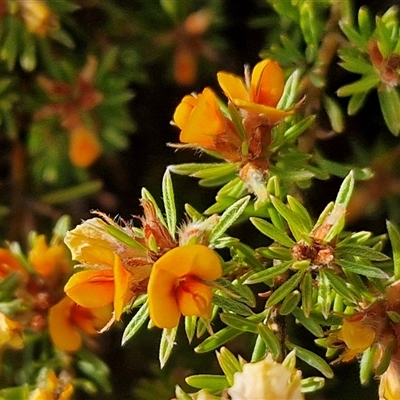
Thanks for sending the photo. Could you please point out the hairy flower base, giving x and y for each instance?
(176, 286)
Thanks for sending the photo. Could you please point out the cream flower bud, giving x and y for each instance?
(266, 380)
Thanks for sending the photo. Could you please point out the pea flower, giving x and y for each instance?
(10, 333)
(68, 321)
(260, 94)
(203, 124)
(49, 260)
(84, 147)
(53, 387)
(9, 264)
(389, 385)
(114, 272)
(178, 284)
(266, 380)
(357, 335)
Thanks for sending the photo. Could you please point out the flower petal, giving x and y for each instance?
(183, 111)
(84, 148)
(273, 115)
(267, 83)
(91, 288)
(206, 121)
(8, 263)
(122, 293)
(63, 333)
(233, 86)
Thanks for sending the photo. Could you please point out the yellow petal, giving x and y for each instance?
(206, 121)
(357, 335)
(84, 147)
(272, 115)
(63, 334)
(183, 111)
(233, 86)
(267, 83)
(40, 257)
(91, 288)
(121, 292)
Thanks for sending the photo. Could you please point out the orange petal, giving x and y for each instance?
(183, 111)
(206, 121)
(41, 258)
(84, 147)
(122, 293)
(357, 335)
(185, 66)
(192, 260)
(91, 288)
(63, 333)
(194, 298)
(273, 115)
(267, 83)
(8, 263)
(233, 86)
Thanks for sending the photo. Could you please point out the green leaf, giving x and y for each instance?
(296, 225)
(367, 364)
(230, 215)
(339, 285)
(229, 304)
(301, 212)
(354, 37)
(363, 85)
(275, 252)
(169, 202)
(394, 236)
(135, 323)
(290, 302)
(335, 113)
(272, 232)
(345, 191)
(271, 341)
(205, 381)
(12, 393)
(312, 359)
(119, 234)
(269, 273)
(356, 101)
(289, 96)
(218, 339)
(166, 345)
(308, 323)
(389, 100)
(284, 289)
(180, 394)
(240, 323)
(312, 384)
(229, 364)
(247, 255)
(307, 294)
(362, 269)
(360, 251)
(190, 327)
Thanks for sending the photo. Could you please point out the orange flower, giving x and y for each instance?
(116, 271)
(263, 93)
(357, 335)
(200, 119)
(47, 260)
(177, 284)
(51, 388)
(68, 320)
(9, 264)
(84, 147)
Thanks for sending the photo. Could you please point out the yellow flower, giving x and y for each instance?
(177, 284)
(389, 386)
(200, 119)
(266, 380)
(263, 94)
(10, 333)
(47, 260)
(36, 15)
(68, 320)
(357, 335)
(84, 147)
(52, 388)
(115, 271)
